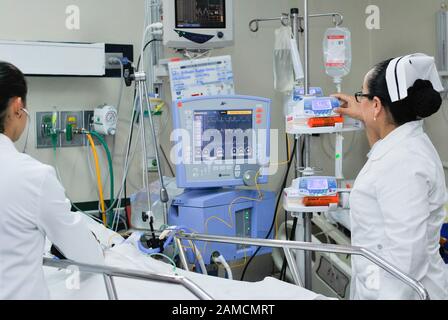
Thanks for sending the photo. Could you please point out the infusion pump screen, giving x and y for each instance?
(231, 124)
(317, 184)
(200, 14)
(321, 105)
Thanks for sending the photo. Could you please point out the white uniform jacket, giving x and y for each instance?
(33, 206)
(397, 211)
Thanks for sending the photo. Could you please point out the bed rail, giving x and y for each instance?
(287, 246)
(110, 272)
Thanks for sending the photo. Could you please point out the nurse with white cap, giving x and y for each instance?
(397, 203)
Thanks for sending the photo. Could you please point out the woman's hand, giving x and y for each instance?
(349, 106)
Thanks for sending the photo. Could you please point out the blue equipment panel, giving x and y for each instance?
(321, 107)
(219, 139)
(318, 186)
(223, 212)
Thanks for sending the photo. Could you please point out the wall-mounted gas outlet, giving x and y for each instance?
(88, 120)
(44, 125)
(71, 121)
(66, 125)
(88, 125)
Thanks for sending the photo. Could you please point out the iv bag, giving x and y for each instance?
(337, 53)
(283, 66)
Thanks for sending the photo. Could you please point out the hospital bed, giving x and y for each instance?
(128, 274)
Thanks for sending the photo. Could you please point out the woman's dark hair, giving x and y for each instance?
(12, 84)
(422, 100)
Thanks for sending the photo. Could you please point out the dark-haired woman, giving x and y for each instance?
(33, 204)
(397, 203)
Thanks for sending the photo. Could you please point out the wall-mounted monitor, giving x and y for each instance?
(198, 24)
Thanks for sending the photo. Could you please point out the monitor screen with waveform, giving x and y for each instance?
(200, 14)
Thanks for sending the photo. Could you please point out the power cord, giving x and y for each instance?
(285, 180)
(291, 238)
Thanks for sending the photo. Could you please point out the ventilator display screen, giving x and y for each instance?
(200, 14)
(317, 184)
(321, 105)
(223, 135)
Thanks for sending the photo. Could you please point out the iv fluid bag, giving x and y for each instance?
(283, 66)
(337, 52)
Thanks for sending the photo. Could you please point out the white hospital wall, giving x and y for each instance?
(114, 21)
(109, 21)
(407, 26)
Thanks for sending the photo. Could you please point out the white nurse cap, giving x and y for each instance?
(402, 73)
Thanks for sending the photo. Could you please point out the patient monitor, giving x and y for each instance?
(198, 24)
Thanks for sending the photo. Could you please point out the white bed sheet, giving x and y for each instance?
(125, 255)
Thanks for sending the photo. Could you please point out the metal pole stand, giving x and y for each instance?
(142, 91)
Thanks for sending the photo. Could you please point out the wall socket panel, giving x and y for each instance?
(43, 141)
(84, 120)
(113, 66)
(78, 140)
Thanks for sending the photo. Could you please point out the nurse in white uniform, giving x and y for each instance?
(32, 204)
(397, 203)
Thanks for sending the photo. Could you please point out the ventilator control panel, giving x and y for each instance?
(221, 141)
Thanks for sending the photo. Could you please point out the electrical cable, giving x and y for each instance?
(128, 160)
(192, 56)
(199, 257)
(286, 212)
(120, 97)
(291, 238)
(167, 258)
(220, 259)
(259, 199)
(144, 48)
(167, 161)
(285, 180)
(293, 230)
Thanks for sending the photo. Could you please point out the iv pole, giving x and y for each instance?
(295, 22)
(307, 217)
